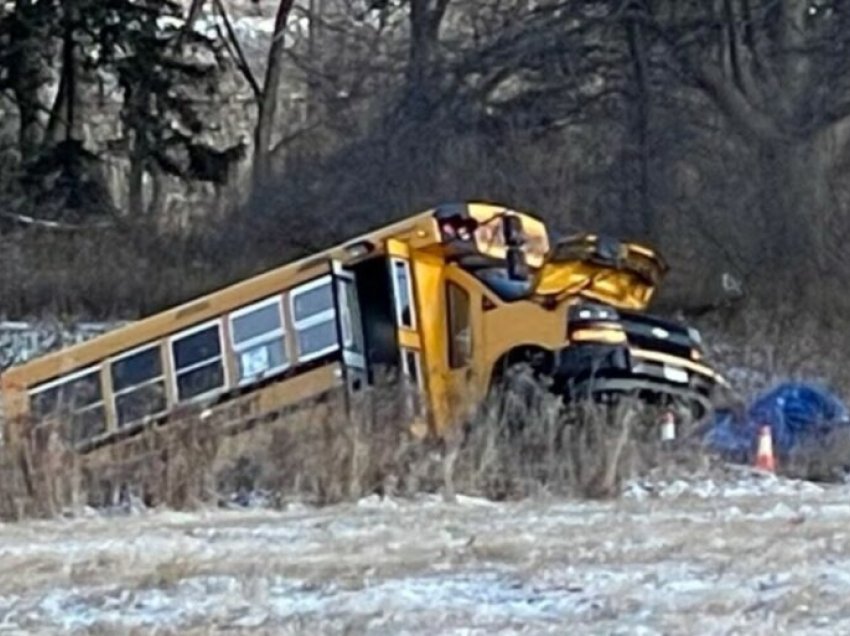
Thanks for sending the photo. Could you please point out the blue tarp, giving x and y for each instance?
(797, 414)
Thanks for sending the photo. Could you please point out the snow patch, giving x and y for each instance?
(675, 552)
(748, 483)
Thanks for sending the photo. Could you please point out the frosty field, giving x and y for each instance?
(741, 553)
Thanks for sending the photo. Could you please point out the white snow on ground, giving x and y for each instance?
(747, 553)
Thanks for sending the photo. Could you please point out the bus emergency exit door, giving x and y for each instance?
(350, 328)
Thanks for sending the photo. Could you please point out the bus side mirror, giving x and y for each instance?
(517, 265)
(512, 229)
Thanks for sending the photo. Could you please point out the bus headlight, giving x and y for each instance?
(594, 322)
(695, 336)
(592, 312)
(696, 340)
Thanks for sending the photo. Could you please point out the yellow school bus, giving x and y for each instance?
(448, 299)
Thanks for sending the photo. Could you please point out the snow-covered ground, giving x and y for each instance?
(747, 554)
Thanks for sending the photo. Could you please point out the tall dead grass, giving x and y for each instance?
(323, 454)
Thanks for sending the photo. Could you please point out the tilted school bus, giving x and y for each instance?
(448, 299)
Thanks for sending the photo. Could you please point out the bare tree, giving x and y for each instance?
(777, 71)
(26, 59)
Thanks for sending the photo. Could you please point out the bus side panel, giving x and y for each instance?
(15, 409)
(299, 388)
(523, 323)
(274, 398)
(245, 424)
(15, 403)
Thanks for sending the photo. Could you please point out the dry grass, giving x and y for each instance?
(320, 455)
(580, 450)
(824, 459)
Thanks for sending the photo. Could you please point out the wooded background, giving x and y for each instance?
(151, 150)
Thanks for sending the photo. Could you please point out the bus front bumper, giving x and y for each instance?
(587, 369)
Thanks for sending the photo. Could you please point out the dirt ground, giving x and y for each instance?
(743, 554)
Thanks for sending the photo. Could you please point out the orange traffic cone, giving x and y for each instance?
(764, 457)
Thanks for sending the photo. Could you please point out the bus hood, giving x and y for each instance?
(621, 274)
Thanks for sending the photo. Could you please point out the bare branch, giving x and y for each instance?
(749, 119)
(192, 17)
(25, 219)
(240, 59)
(732, 37)
(294, 136)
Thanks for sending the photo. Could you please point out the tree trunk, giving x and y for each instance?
(267, 106)
(640, 207)
(421, 48)
(27, 73)
(426, 17)
(314, 36)
(801, 248)
(63, 125)
(135, 185)
(69, 69)
(139, 101)
(156, 207)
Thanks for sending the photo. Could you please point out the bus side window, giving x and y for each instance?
(314, 318)
(196, 355)
(403, 293)
(258, 339)
(460, 327)
(75, 398)
(138, 385)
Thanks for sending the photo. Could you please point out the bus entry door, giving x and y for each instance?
(408, 318)
(462, 329)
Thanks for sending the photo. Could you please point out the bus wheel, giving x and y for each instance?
(517, 398)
